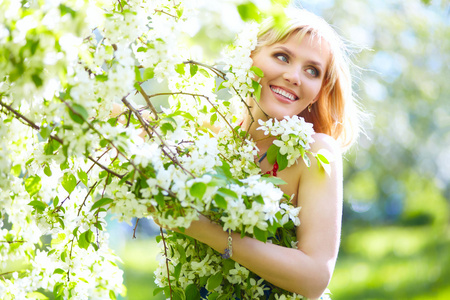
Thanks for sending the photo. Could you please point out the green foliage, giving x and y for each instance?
(33, 185)
(249, 12)
(69, 182)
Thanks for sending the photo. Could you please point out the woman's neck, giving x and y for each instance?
(250, 124)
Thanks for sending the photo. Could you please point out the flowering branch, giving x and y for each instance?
(146, 127)
(28, 122)
(12, 242)
(216, 71)
(207, 99)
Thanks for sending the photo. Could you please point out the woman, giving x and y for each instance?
(305, 73)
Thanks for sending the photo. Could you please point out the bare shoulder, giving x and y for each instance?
(324, 141)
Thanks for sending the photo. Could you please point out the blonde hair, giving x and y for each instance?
(336, 112)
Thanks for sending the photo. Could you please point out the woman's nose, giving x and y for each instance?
(292, 76)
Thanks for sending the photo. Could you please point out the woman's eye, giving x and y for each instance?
(313, 72)
(282, 57)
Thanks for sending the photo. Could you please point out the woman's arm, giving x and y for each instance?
(306, 271)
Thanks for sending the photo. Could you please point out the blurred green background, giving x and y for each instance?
(396, 232)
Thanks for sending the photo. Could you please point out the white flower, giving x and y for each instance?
(291, 212)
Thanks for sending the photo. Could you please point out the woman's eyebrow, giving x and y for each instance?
(290, 53)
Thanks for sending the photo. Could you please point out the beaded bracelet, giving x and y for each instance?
(229, 249)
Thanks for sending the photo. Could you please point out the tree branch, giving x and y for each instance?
(147, 100)
(167, 260)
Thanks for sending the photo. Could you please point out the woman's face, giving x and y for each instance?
(293, 74)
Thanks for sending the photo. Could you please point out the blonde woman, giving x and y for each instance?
(306, 73)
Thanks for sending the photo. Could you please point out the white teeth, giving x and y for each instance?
(283, 93)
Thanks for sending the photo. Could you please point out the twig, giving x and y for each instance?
(203, 96)
(135, 227)
(29, 122)
(12, 242)
(85, 198)
(146, 128)
(147, 100)
(108, 140)
(219, 73)
(167, 260)
(162, 11)
(129, 119)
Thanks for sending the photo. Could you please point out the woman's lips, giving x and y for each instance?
(283, 95)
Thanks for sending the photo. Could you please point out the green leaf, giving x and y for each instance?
(272, 153)
(224, 170)
(16, 170)
(257, 87)
(82, 176)
(69, 182)
(181, 252)
(221, 86)
(58, 289)
(224, 192)
(85, 239)
(260, 235)
(306, 160)
(192, 292)
(214, 281)
(37, 80)
(160, 199)
(78, 113)
(36, 295)
(213, 296)
(101, 78)
(33, 185)
(205, 73)
(198, 189)
(180, 12)
(59, 271)
(177, 293)
(157, 290)
(259, 199)
(213, 119)
(274, 180)
(38, 205)
(47, 170)
(322, 158)
(101, 202)
(137, 72)
(67, 10)
(323, 161)
(220, 201)
(64, 165)
(249, 12)
(59, 239)
(258, 72)
(167, 127)
(283, 3)
(177, 271)
(56, 201)
(45, 131)
(51, 147)
(282, 161)
(227, 265)
(112, 295)
(80, 110)
(193, 69)
(180, 69)
(149, 73)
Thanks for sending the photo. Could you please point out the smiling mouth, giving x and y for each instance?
(283, 93)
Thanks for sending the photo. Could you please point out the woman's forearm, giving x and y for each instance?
(287, 268)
